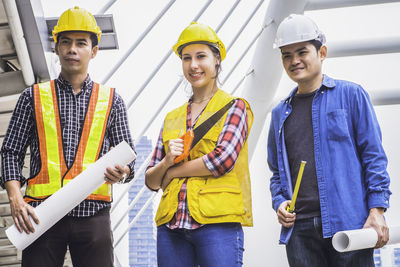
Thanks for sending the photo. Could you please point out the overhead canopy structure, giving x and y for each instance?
(106, 23)
(25, 41)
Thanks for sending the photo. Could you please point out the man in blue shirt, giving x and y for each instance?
(330, 124)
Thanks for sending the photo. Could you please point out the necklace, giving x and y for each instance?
(205, 99)
(200, 101)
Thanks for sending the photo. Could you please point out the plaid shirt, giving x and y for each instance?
(22, 133)
(219, 161)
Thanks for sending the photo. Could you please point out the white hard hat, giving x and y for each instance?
(296, 29)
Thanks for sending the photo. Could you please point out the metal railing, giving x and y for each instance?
(138, 41)
(161, 63)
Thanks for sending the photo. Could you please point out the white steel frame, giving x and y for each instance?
(262, 80)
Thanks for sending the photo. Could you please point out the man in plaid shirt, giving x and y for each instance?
(86, 229)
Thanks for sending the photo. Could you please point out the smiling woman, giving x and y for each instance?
(213, 182)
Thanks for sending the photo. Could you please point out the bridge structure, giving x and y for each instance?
(136, 59)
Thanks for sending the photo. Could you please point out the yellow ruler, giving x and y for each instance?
(297, 186)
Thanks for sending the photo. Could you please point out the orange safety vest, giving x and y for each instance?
(54, 172)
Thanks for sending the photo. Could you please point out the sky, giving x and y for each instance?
(373, 72)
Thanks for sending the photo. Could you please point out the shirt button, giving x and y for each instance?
(287, 112)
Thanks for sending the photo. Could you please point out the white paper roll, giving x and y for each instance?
(362, 238)
(68, 197)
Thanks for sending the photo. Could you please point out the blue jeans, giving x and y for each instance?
(212, 245)
(308, 248)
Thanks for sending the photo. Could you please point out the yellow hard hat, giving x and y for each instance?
(197, 32)
(76, 19)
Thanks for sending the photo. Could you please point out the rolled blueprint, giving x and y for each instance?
(362, 238)
(69, 196)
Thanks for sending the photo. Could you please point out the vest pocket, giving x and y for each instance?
(165, 205)
(213, 133)
(220, 201)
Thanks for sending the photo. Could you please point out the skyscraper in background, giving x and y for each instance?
(388, 256)
(377, 258)
(142, 238)
(396, 257)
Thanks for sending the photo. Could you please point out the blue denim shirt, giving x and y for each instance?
(349, 158)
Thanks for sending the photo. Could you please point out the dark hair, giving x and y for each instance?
(317, 44)
(93, 37)
(217, 54)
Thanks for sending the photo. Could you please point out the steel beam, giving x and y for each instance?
(360, 47)
(326, 4)
(261, 85)
(137, 42)
(385, 97)
(35, 34)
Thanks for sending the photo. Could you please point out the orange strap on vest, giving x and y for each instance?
(54, 172)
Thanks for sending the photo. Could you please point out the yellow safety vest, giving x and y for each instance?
(210, 200)
(54, 172)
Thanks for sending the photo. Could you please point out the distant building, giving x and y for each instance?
(396, 257)
(377, 258)
(142, 242)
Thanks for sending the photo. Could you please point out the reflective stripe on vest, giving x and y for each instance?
(54, 173)
(210, 200)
